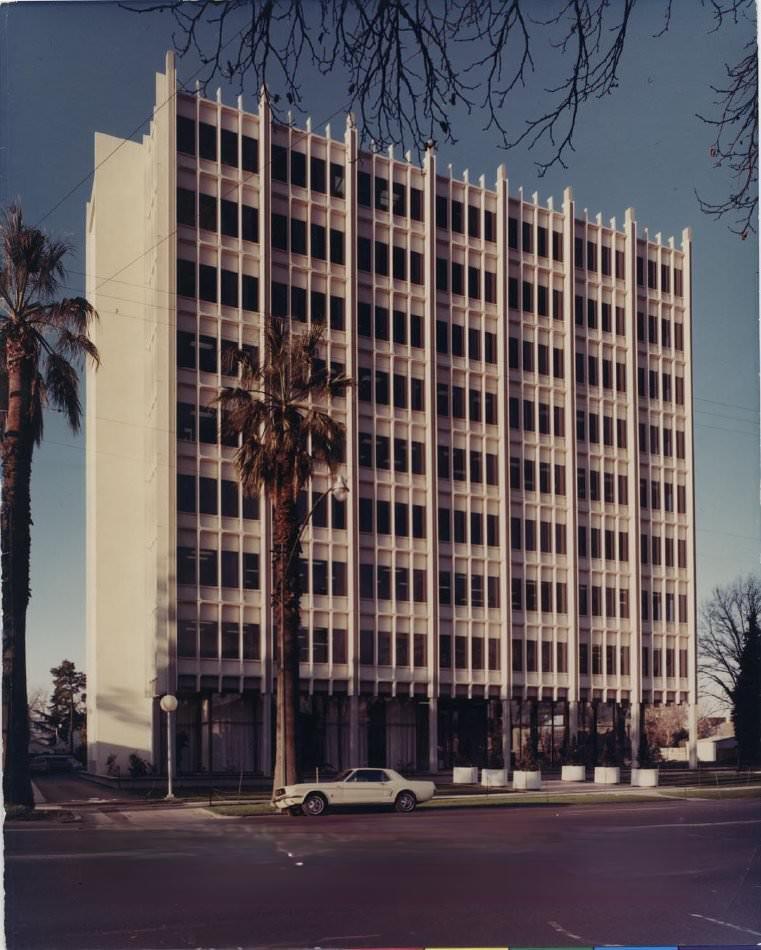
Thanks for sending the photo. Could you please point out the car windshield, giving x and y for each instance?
(342, 776)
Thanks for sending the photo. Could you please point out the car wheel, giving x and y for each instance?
(314, 804)
(405, 802)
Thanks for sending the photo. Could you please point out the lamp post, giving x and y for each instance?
(340, 490)
(169, 704)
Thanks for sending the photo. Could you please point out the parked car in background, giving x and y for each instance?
(354, 787)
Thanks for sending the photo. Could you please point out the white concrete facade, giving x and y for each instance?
(518, 544)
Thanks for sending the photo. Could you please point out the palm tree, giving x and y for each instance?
(285, 437)
(43, 341)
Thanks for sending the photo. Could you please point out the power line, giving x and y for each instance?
(730, 405)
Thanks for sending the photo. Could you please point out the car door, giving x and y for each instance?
(364, 787)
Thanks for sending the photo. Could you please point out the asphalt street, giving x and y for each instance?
(687, 871)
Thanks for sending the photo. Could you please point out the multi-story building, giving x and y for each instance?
(516, 558)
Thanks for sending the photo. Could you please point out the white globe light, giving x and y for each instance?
(168, 703)
(340, 489)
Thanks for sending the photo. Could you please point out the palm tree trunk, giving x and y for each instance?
(15, 522)
(286, 599)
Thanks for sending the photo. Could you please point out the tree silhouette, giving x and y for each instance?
(409, 63)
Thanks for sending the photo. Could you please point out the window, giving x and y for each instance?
(474, 221)
(337, 184)
(399, 199)
(416, 204)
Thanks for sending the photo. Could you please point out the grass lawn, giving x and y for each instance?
(513, 799)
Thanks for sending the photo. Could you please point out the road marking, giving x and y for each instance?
(567, 933)
(723, 923)
(687, 824)
(78, 855)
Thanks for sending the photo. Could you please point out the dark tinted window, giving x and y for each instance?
(186, 135)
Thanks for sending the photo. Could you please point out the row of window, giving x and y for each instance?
(390, 389)
(210, 568)
(446, 269)
(647, 386)
(523, 476)
(539, 596)
(455, 407)
(602, 544)
(461, 652)
(213, 285)
(652, 331)
(450, 215)
(380, 327)
(453, 526)
(218, 216)
(297, 302)
(207, 496)
(606, 316)
(374, 190)
(376, 517)
(229, 640)
(523, 536)
(654, 496)
(530, 293)
(530, 665)
(373, 257)
(376, 582)
(655, 441)
(443, 329)
(375, 648)
(587, 373)
(528, 239)
(591, 479)
(200, 423)
(650, 551)
(209, 639)
(326, 578)
(652, 277)
(607, 258)
(671, 602)
(375, 452)
(203, 353)
(294, 238)
(541, 365)
(235, 151)
(593, 429)
(381, 582)
(290, 166)
(529, 417)
(460, 469)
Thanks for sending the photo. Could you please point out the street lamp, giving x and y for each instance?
(169, 704)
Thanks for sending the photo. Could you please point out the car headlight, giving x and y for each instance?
(279, 792)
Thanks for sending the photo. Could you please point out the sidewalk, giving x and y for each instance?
(553, 791)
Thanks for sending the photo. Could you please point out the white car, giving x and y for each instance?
(354, 787)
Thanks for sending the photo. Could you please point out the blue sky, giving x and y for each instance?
(70, 69)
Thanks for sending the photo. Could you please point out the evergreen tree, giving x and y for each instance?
(66, 709)
(746, 712)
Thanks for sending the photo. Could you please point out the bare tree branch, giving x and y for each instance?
(408, 63)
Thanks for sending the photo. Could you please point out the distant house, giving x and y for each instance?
(717, 749)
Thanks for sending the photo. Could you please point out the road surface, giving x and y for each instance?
(673, 873)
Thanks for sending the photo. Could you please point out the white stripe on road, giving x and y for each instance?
(685, 824)
(723, 923)
(78, 855)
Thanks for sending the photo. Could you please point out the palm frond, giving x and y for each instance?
(74, 314)
(62, 386)
(76, 347)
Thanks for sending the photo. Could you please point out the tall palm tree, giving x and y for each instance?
(286, 432)
(43, 341)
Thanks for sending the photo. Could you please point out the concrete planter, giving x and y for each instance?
(645, 778)
(527, 781)
(465, 775)
(607, 775)
(573, 773)
(494, 778)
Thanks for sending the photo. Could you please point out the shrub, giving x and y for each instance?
(138, 767)
(527, 761)
(112, 768)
